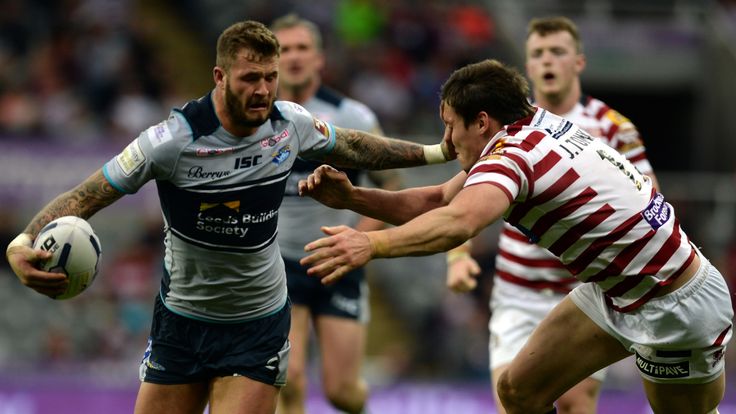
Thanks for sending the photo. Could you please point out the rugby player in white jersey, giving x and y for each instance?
(528, 280)
(221, 320)
(647, 290)
(340, 312)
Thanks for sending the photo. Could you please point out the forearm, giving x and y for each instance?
(438, 231)
(83, 201)
(363, 150)
(395, 207)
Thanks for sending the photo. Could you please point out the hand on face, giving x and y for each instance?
(333, 257)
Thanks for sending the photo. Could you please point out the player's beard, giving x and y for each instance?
(238, 110)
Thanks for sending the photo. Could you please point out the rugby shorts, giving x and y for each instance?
(183, 350)
(677, 338)
(515, 312)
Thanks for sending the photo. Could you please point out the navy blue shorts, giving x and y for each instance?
(183, 350)
(347, 298)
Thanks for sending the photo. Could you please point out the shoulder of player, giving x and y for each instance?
(354, 113)
(602, 111)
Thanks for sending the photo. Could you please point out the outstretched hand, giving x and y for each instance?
(333, 257)
(462, 274)
(328, 186)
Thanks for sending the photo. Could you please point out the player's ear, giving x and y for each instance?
(483, 121)
(580, 62)
(218, 75)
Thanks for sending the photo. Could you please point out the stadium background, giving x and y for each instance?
(80, 78)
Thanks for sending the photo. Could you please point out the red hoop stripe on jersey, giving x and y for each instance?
(601, 111)
(624, 257)
(547, 262)
(497, 169)
(597, 247)
(514, 128)
(553, 191)
(532, 140)
(546, 164)
(555, 285)
(516, 235)
(574, 233)
(665, 252)
(547, 220)
(653, 291)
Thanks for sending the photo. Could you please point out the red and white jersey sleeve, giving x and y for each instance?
(588, 205)
(524, 263)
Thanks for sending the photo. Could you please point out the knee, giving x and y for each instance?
(517, 399)
(347, 395)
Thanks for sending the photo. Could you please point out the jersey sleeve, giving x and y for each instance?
(152, 155)
(316, 137)
(627, 140)
(504, 168)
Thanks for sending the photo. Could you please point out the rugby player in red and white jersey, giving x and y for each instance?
(528, 280)
(648, 290)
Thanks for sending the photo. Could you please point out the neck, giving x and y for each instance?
(560, 103)
(299, 93)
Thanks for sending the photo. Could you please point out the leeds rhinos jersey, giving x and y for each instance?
(587, 204)
(300, 218)
(524, 263)
(220, 196)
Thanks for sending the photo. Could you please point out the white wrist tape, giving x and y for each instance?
(433, 154)
(23, 239)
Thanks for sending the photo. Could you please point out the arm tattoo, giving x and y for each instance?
(362, 150)
(83, 201)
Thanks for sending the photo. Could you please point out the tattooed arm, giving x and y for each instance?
(363, 150)
(83, 201)
(86, 199)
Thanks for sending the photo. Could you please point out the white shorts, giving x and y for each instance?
(677, 338)
(515, 312)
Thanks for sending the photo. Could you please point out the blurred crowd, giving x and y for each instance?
(80, 73)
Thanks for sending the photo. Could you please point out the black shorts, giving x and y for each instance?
(347, 298)
(183, 350)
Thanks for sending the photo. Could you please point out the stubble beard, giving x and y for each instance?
(237, 111)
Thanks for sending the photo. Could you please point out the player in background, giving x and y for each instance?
(647, 289)
(221, 320)
(340, 312)
(529, 280)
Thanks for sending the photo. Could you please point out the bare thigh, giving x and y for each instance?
(685, 398)
(342, 345)
(299, 338)
(242, 395)
(564, 349)
(174, 399)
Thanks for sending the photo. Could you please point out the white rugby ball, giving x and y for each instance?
(76, 252)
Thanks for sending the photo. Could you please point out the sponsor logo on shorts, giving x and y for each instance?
(662, 370)
(347, 305)
(272, 363)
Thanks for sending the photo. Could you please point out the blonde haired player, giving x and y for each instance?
(529, 280)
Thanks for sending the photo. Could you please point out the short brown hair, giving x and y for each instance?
(546, 25)
(292, 20)
(247, 34)
(488, 86)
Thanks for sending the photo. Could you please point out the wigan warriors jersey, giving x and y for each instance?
(588, 205)
(220, 195)
(524, 263)
(300, 218)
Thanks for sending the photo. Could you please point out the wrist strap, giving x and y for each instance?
(22, 240)
(433, 154)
